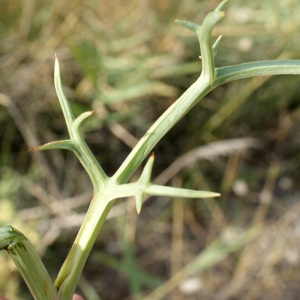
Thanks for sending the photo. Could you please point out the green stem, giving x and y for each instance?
(257, 68)
(179, 108)
(72, 267)
(101, 204)
(204, 36)
(163, 124)
(28, 263)
(77, 143)
(191, 97)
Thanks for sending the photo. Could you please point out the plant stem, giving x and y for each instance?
(72, 267)
(208, 80)
(77, 143)
(256, 68)
(28, 263)
(180, 107)
(163, 124)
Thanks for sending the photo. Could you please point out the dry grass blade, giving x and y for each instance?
(208, 152)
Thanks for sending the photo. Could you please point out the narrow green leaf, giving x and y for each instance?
(80, 119)
(146, 174)
(204, 37)
(28, 263)
(7, 235)
(221, 5)
(68, 114)
(258, 68)
(216, 45)
(139, 202)
(143, 182)
(160, 190)
(188, 25)
(65, 144)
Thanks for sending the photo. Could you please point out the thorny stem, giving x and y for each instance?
(104, 186)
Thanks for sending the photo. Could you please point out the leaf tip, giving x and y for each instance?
(138, 203)
(188, 25)
(56, 66)
(33, 149)
(221, 5)
(210, 195)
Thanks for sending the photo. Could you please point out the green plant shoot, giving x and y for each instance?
(107, 189)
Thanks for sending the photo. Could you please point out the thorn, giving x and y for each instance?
(221, 5)
(33, 149)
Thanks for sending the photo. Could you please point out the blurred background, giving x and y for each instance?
(128, 63)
